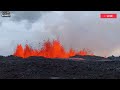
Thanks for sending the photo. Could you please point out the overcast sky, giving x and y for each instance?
(76, 29)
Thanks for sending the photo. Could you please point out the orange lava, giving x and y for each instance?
(49, 49)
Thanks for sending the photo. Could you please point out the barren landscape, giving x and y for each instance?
(77, 67)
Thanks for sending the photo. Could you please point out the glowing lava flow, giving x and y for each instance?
(49, 49)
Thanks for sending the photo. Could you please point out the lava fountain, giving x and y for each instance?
(52, 49)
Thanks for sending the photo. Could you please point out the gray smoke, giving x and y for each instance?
(21, 28)
(76, 29)
(85, 29)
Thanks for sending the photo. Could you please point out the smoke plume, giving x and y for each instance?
(76, 29)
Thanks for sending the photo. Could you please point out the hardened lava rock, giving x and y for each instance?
(93, 67)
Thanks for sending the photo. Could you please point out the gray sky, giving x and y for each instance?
(76, 29)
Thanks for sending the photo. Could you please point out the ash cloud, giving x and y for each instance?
(76, 29)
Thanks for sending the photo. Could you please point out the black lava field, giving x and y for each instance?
(77, 67)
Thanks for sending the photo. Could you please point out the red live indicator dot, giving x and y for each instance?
(108, 15)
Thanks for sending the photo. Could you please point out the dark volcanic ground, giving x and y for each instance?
(93, 67)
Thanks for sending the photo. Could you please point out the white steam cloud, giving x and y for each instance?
(76, 29)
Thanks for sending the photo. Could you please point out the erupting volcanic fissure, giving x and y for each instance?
(49, 49)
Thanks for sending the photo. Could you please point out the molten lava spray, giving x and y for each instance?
(49, 49)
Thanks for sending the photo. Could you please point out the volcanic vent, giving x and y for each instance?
(50, 49)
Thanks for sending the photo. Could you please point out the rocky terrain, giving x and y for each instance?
(77, 67)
